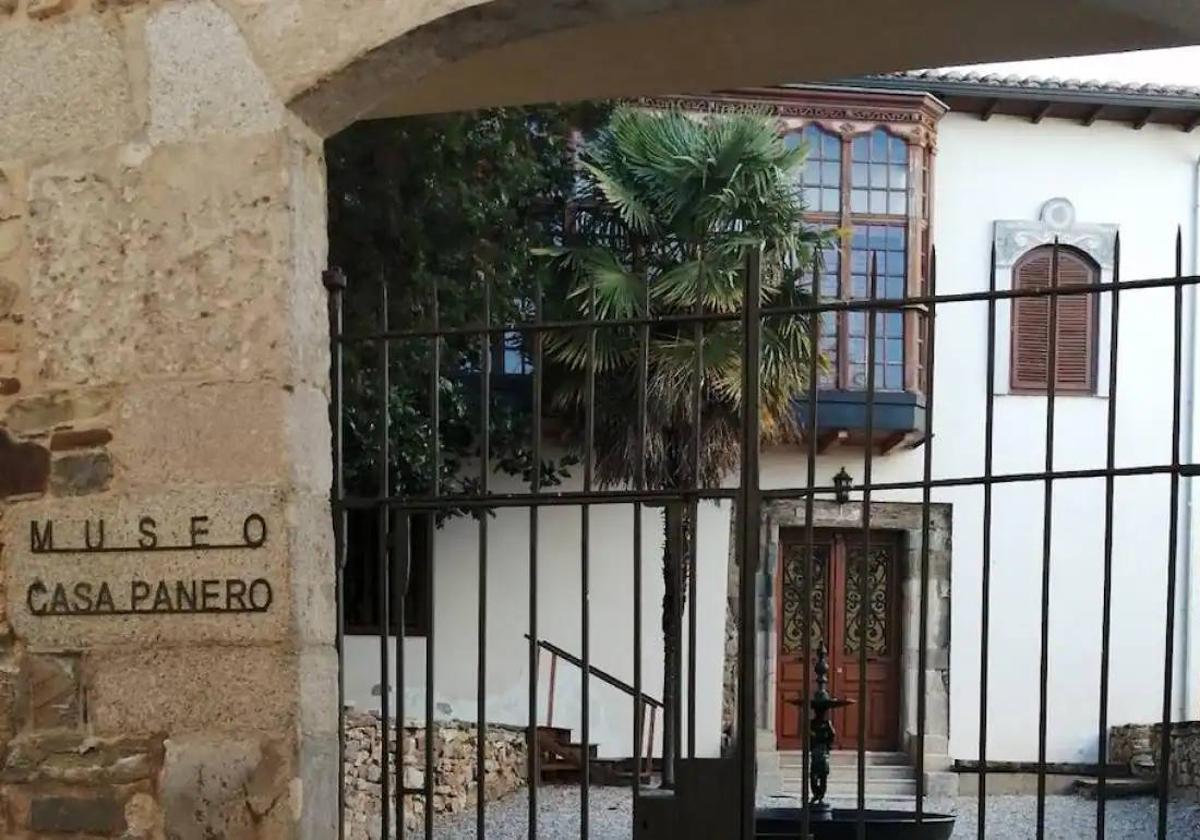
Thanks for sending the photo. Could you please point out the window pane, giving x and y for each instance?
(830, 201)
(858, 201)
(860, 148)
(878, 201)
(858, 174)
(831, 146)
(899, 149)
(812, 171)
(879, 143)
(831, 173)
(878, 175)
(897, 203)
(898, 177)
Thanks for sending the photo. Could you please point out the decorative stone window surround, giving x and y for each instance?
(1014, 239)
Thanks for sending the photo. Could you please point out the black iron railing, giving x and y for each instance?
(748, 495)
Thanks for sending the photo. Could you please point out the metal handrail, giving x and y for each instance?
(644, 702)
(603, 676)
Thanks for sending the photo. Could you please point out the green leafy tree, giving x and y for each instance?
(447, 203)
(668, 208)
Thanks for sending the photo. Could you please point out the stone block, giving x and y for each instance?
(231, 787)
(178, 263)
(66, 87)
(51, 689)
(58, 408)
(9, 385)
(42, 9)
(79, 439)
(24, 467)
(319, 791)
(80, 475)
(8, 297)
(203, 79)
(174, 689)
(9, 678)
(74, 760)
(310, 540)
(223, 433)
(143, 818)
(102, 814)
(181, 567)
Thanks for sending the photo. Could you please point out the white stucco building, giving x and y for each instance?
(970, 164)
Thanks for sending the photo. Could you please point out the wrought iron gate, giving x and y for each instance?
(394, 513)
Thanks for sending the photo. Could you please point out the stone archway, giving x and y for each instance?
(163, 344)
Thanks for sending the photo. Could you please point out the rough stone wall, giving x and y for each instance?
(163, 377)
(454, 759)
(1138, 746)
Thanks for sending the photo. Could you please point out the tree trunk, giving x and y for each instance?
(677, 527)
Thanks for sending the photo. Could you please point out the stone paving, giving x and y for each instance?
(1008, 817)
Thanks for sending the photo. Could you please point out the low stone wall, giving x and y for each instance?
(454, 751)
(1139, 746)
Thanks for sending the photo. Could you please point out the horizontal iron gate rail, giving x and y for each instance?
(394, 512)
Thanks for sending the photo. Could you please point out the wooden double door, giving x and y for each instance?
(838, 609)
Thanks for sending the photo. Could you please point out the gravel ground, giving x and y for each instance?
(1008, 817)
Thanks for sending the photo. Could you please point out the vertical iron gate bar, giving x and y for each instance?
(335, 283)
(1047, 545)
(1164, 769)
(694, 511)
(400, 540)
(673, 625)
(534, 757)
(986, 589)
(694, 553)
(585, 572)
(485, 456)
(381, 512)
(435, 423)
(1109, 494)
(864, 566)
(814, 344)
(640, 484)
(750, 535)
(926, 505)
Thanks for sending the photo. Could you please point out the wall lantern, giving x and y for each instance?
(841, 483)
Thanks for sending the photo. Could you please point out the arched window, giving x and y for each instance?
(1075, 324)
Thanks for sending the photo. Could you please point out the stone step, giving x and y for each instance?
(1116, 788)
(847, 773)
(839, 758)
(888, 787)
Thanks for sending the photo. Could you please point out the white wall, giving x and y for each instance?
(559, 604)
(1002, 169)
(1142, 181)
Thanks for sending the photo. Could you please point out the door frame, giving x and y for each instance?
(838, 540)
(905, 517)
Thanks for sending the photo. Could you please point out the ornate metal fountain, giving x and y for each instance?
(824, 821)
(821, 734)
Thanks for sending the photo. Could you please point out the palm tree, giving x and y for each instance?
(668, 206)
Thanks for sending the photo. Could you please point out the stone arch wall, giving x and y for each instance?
(163, 346)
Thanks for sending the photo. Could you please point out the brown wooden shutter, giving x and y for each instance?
(1075, 361)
